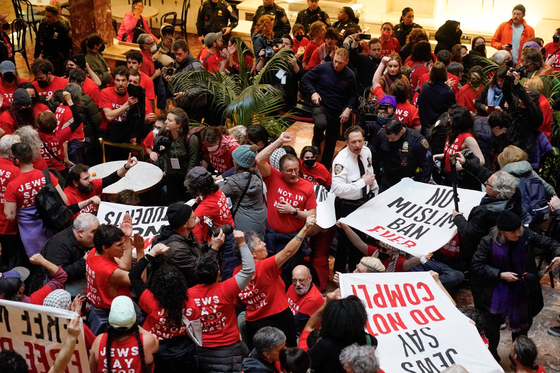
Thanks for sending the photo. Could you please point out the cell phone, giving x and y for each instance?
(170, 71)
(509, 45)
(365, 36)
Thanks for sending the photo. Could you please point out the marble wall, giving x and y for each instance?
(89, 16)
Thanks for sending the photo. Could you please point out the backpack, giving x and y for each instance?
(407, 71)
(533, 199)
(51, 208)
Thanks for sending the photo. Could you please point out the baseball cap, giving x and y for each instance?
(122, 314)
(211, 37)
(7, 67)
(21, 273)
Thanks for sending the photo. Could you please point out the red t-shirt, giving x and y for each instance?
(405, 112)
(55, 142)
(8, 172)
(156, 320)
(235, 62)
(74, 196)
(314, 60)
(23, 189)
(214, 206)
(546, 126)
(98, 271)
(318, 175)
(148, 142)
(148, 66)
(8, 93)
(221, 159)
(213, 305)
(419, 71)
(92, 90)
(307, 304)
(148, 84)
(265, 294)
(452, 149)
(300, 195)
(390, 46)
(64, 115)
(109, 99)
(540, 369)
(210, 61)
(7, 122)
(56, 84)
(309, 49)
(39, 108)
(467, 95)
(40, 164)
(125, 354)
(551, 48)
(303, 43)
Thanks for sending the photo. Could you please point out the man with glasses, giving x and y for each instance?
(290, 200)
(303, 297)
(512, 34)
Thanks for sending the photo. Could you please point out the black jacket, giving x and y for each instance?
(448, 36)
(486, 276)
(433, 101)
(364, 68)
(325, 354)
(255, 363)
(281, 23)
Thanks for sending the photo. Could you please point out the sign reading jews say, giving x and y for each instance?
(38, 333)
(417, 327)
(411, 216)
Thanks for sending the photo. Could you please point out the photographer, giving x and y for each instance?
(263, 37)
(532, 59)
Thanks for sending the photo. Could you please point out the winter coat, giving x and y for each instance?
(486, 276)
(257, 364)
(223, 359)
(448, 36)
(251, 210)
(523, 169)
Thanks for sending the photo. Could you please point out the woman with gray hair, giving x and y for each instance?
(501, 57)
(268, 343)
(29, 136)
(505, 283)
(359, 359)
(501, 194)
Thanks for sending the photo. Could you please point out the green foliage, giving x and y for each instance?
(243, 98)
(489, 67)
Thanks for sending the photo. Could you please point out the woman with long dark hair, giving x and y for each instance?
(435, 97)
(179, 152)
(123, 334)
(406, 24)
(492, 96)
(165, 300)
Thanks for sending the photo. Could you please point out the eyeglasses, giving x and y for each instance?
(486, 183)
(291, 172)
(384, 107)
(300, 280)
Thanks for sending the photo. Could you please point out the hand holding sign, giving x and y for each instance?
(126, 225)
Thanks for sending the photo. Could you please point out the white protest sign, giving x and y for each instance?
(146, 221)
(417, 327)
(325, 214)
(413, 217)
(38, 333)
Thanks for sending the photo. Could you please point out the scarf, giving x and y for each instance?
(510, 299)
(391, 78)
(226, 143)
(384, 120)
(495, 95)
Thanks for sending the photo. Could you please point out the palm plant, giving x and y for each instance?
(244, 98)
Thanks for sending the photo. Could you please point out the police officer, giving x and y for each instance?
(281, 23)
(214, 16)
(312, 14)
(399, 152)
(346, 20)
(354, 184)
(53, 42)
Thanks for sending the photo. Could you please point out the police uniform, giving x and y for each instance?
(307, 17)
(401, 158)
(214, 17)
(343, 26)
(54, 43)
(351, 192)
(281, 23)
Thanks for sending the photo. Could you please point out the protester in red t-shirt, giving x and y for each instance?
(317, 32)
(45, 80)
(217, 148)
(468, 93)
(139, 79)
(19, 113)
(524, 355)
(311, 170)
(389, 44)
(325, 52)
(20, 199)
(212, 212)
(91, 82)
(210, 57)
(9, 82)
(299, 41)
(303, 296)
(213, 303)
(107, 267)
(148, 44)
(82, 192)
(265, 296)
(552, 51)
(134, 61)
(52, 141)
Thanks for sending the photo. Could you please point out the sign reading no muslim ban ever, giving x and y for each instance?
(417, 327)
(38, 333)
(411, 216)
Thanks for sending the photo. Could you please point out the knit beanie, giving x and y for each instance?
(79, 59)
(178, 213)
(388, 99)
(519, 7)
(244, 156)
(508, 221)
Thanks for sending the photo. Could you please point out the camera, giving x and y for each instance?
(169, 71)
(215, 231)
(365, 36)
(268, 52)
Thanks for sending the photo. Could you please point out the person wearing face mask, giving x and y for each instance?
(45, 81)
(346, 19)
(19, 113)
(312, 14)
(148, 46)
(398, 152)
(134, 23)
(281, 22)
(300, 41)
(478, 46)
(512, 34)
(6, 47)
(448, 35)
(91, 82)
(389, 44)
(53, 40)
(312, 171)
(552, 51)
(217, 149)
(9, 81)
(93, 46)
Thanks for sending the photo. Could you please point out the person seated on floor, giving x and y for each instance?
(303, 296)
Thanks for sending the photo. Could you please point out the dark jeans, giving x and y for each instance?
(327, 126)
(449, 277)
(492, 325)
(345, 251)
(282, 320)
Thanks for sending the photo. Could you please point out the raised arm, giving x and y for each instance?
(67, 351)
(262, 157)
(354, 238)
(379, 72)
(293, 246)
(247, 262)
